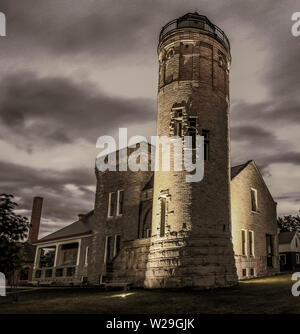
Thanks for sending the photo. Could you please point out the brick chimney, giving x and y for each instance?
(35, 219)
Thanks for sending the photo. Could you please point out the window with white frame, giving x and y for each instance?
(120, 203)
(251, 242)
(244, 243)
(108, 248)
(86, 261)
(117, 244)
(254, 205)
(111, 204)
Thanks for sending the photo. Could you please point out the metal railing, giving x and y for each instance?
(195, 21)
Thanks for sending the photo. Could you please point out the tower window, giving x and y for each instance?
(192, 132)
(178, 113)
(254, 200)
(178, 122)
(178, 128)
(205, 134)
(193, 121)
(162, 216)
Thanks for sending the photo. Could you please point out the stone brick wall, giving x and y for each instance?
(127, 225)
(261, 223)
(130, 264)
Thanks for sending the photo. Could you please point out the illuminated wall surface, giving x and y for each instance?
(261, 222)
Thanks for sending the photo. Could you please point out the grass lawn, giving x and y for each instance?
(268, 295)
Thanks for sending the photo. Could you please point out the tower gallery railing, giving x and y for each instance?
(198, 22)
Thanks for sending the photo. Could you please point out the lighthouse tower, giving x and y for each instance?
(191, 237)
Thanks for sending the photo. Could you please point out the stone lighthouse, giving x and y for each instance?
(191, 231)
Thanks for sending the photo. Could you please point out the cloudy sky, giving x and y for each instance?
(74, 70)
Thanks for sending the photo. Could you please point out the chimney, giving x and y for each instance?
(35, 219)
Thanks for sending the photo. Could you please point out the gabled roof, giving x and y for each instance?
(286, 237)
(78, 228)
(235, 170)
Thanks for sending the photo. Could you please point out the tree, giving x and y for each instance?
(13, 230)
(289, 223)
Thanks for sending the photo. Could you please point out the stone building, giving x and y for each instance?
(254, 223)
(289, 251)
(156, 230)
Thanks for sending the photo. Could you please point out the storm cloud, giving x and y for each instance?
(74, 70)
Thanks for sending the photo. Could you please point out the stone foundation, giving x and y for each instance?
(130, 265)
(190, 262)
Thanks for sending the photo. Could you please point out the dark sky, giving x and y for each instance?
(74, 70)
